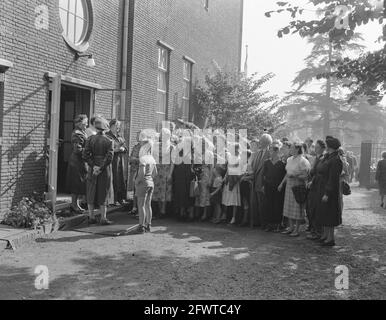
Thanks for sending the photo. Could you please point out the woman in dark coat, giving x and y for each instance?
(118, 164)
(380, 177)
(313, 187)
(329, 193)
(99, 154)
(77, 170)
(273, 174)
(182, 176)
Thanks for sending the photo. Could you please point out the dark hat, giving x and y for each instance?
(333, 143)
(101, 124)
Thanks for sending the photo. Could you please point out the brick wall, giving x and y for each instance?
(184, 24)
(192, 31)
(24, 113)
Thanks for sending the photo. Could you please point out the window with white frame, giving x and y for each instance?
(75, 17)
(187, 81)
(162, 86)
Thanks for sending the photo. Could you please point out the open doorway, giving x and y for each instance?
(73, 101)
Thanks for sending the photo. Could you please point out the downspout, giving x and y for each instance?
(125, 40)
(126, 122)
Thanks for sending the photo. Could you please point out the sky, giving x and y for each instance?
(282, 56)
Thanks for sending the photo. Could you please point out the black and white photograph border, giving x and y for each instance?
(206, 153)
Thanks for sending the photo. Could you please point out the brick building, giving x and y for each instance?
(147, 56)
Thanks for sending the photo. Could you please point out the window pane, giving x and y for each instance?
(63, 4)
(71, 28)
(80, 10)
(80, 28)
(72, 6)
(63, 19)
(185, 109)
(186, 71)
(162, 80)
(186, 87)
(162, 58)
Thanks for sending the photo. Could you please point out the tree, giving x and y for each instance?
(328, 107)
(366, 72)
(232, 101)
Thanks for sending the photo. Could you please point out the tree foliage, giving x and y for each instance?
(231, 101)
(366, 72)
(349, 115)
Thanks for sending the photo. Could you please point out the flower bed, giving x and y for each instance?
(31, 213)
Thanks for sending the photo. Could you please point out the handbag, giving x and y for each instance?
(346, 190)
(300, 193)
(194, 188)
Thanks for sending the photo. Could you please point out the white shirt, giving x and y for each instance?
(297, 165)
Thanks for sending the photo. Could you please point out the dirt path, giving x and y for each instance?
(202, 261)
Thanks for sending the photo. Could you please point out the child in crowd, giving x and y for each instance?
(216, 193)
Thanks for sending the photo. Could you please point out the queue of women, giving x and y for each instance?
(281, 187)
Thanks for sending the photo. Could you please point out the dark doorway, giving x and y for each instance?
(74, 101)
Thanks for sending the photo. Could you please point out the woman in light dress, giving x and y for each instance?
(298, 168)
(231, 192)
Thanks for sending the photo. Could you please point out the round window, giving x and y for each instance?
(76, 17)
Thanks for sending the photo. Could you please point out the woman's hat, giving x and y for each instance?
(333, 143)
(101, 124)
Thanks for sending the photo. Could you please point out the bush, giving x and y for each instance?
(31, 213)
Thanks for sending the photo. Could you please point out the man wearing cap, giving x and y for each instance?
(98, 154)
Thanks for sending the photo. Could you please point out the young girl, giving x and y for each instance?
(216, 193)
(231, 192)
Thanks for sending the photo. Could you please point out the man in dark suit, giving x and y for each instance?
(257, 167)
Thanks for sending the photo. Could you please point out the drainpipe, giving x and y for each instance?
(125, 40)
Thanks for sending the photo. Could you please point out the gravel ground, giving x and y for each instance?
(202, 261)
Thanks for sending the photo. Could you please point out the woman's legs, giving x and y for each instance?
(141, 211)
(75, 203)
(324, 234)
(234, 213)
(103, 210)
(204, 214)
(217, 213)
(148, 210)
(330, 237)
(91, 211)
(382, 198)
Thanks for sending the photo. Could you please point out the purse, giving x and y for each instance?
(346, 190)
(194, 188)
(300, 193)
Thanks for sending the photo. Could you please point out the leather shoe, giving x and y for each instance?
(328, 244)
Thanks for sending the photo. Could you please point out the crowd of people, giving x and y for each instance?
(282, 186)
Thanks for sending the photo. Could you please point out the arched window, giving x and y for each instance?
(76, 20)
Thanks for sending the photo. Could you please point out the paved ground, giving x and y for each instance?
(202, 261)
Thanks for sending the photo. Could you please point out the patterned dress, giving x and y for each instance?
(295, 166)
(163, 186)
(231, 195)
(203, 199)
(134, 164)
